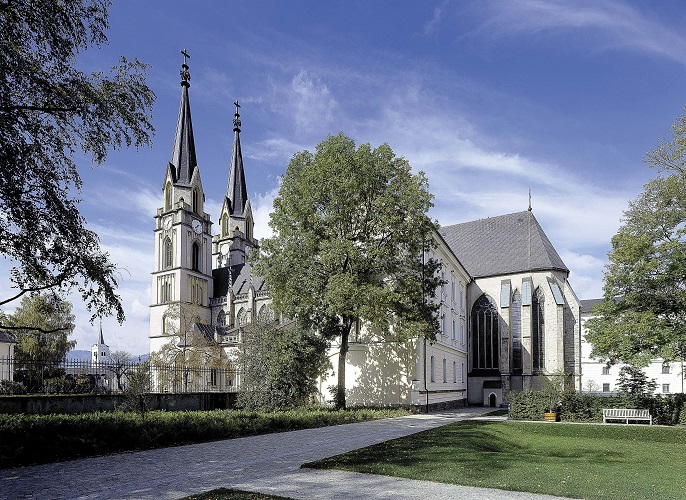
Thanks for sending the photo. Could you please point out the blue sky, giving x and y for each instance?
(488, 98)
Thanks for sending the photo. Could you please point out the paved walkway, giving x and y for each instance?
(268, 464)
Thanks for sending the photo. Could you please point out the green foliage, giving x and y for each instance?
(635, 382)
(576, 461)
(350, 233)
(26, 439)
(644, 309)
(279, 366)
(49, 111)
(137, 391)
(578, 407)
(12, 387)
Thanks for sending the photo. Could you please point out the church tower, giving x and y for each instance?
(100, 352)
(182, 276)
(235, 237)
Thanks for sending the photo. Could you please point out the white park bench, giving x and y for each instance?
(626, 414)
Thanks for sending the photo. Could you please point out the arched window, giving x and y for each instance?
(538, 330)
(168, 197)
(265, 315)
(248, 228)
(242, 317)
(195, 203)
(221, 318)
(516, 331)
(195, 257)
(168, 253)
(225, 225)
(485, 345)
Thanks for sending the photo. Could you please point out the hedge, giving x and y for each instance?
(31, 439)
(577, 407)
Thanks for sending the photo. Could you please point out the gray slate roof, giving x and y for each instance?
(587, 305)
(240, 279)
(500, 245)
(6, 338)
(183, 153)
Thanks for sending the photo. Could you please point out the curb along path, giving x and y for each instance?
(268, 463)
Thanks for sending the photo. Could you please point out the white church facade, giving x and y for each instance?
(508, 315)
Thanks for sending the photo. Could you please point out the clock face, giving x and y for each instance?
(197, 226)
(167, 223)
(224, 249)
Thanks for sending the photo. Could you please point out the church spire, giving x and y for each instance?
(102, 339)
(236, 192)
(183, 155)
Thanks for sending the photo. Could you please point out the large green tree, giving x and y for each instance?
(643, 314)
(49, 111)
(351, 239)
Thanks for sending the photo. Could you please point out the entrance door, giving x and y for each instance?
(492, 400)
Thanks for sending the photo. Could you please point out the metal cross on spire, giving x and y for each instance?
(185, 74)
(236, 117)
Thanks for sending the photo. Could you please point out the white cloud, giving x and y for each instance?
(262, 207)
(619, 25)
(431, 26)
(311, 102)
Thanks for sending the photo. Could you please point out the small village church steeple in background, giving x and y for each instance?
(100, 352)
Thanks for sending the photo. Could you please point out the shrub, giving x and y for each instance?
(11, 387)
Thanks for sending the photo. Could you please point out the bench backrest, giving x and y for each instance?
(626, 412)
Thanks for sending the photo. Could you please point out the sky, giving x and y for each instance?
(490, 99)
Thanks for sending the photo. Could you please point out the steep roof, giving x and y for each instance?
(183, 153)
(236, 192)
(506, 244)
(588, 304)
(238, 281)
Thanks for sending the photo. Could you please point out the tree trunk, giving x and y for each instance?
(340, 390)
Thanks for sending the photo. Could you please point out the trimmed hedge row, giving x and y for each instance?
(576, 407)
(32, 439)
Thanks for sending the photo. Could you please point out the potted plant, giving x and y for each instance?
(553, 389)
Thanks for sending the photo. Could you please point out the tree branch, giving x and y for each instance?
(34, 289)
(32, 328)
(44, 109)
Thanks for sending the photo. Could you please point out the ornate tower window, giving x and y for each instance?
(168, 197)
(225, 225)
(242, 317)
(538, 330)
(195, 256)
(168, 253)
(485, 325)
(195, 201)
(221, 318)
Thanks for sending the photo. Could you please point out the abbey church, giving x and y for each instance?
(508, 314)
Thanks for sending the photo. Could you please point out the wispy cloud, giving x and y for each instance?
(431, 26)
(615, 24)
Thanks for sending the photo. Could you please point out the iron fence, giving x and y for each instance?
(73, 376)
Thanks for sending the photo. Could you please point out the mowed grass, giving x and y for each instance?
(572, 460)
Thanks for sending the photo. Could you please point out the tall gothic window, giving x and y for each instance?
(266, 315)
(538, 330)
(195, 257)
(168, 253)
(248, 228)
(167, 197)
(516, 331)
(485, 336)
(194, 200)
(225, 225)
(221, 318)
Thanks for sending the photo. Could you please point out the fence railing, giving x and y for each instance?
(74, 376)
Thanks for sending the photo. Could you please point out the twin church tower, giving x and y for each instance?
(202, 281)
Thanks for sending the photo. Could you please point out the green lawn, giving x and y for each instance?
(228, 494)
(573, 460)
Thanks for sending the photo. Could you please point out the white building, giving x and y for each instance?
(599, 378)
(100, 352)
(7, 343)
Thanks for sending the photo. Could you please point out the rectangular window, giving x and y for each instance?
(445, 371)
(606, 387)
(462, 331)
(454, 334)
(665, 388)
(433, 369)
(462, 368)
(665, 367)
(442, 284)
(454, 372)
(461, 296)
(606, 370)
(452, 292)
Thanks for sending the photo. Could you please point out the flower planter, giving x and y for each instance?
(550, 417)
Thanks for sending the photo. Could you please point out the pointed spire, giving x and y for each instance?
(236, 192)
(183, 154)
(102, 339)
(529, 199)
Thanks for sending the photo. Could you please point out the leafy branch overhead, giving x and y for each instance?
(50, 111)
